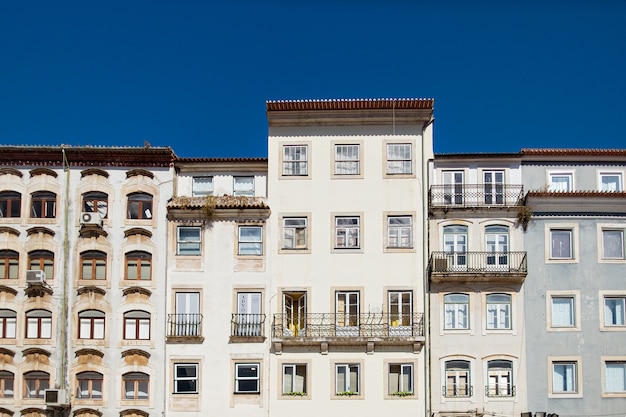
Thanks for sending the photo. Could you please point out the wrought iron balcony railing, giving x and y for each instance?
(502, 390)
(184, 325)
(475, 195)
(478, 262)
(247, 325)
(452, 391)
(335, 325)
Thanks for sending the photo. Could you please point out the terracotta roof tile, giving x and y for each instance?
(351, 104)
(573, 152)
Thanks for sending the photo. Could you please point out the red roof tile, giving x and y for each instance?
(572, 152)
(351, 104)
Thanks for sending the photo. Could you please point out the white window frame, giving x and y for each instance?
(295, 160)
(613, 382)
(250, 244)
(617, 174)
(499, 313)
(402, 377)
(242, 379)
(347, 390)
(347, 230)
(202, 186)
(243, 187)
(558, 186)
(188, 244)
(399, 231)
(397, 163)
(456, 375)
(565, 299)
(347, 160)
(194, 379)
(91, 324)
(559, 388)
(295, 230)
(38, 324)
(619, 243)
(613, 314)
(294, 379)
(137, 325)
(500, 382)
(460, 320)
(551, 229)
(8, 324)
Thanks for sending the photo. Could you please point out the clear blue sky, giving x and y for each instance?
(195, 75)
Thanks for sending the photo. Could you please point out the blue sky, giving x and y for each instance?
(195, 75)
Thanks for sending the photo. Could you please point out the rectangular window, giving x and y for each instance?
(561, 244)
(347, 160)
(189, 240)
(400, 379)
(614, 308)
(613, 244)
(250, 240)
(563, 311)
(561, 181)
(247, 378)
(249, 319)
(243, 186)
(187, 321)
(611, 181)
(294, 379)
(295, 160)
(399, 232)
(294, 233)
(185, 378)
(347, 379)
(456, 311)
(202, 186)
(347, 315)
(399, 158)
(347, 232)
(615, 376)
(564, 378)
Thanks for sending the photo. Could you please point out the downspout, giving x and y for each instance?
(66, 250)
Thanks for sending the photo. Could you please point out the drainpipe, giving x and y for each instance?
(63, 321)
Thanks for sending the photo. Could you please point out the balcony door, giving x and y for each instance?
(455, 246)
(294, 314)
(497, 246)
(187, 320)
(248, 321)
(453, 187)
(347, 313)
(400, 313)
(494, 187)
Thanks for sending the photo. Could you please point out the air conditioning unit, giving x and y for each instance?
(35, 276)
(87, 217)
(440, 265)
(57, 397)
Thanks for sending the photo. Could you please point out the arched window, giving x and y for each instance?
(10, 204)
(91, 324)
(136, 386)
(8, 324)
(456, 311)
(35, 383)
(139, 266)
(497, 246)
(500, 374)
(42, 260)
(9, 264)
(43, 205)
(38, 324)
(137, 325)
(96, 202)
(498, 311)
(455, 243)
(7, 381)
(458, 379)
(93, 265)
(139, 206)
(89, 385)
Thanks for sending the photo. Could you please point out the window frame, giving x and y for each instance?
(498, 372)
(620, 297)
(299, 369)
(613, 360)
(136, 379)
(397, 230)
(508, 314)
(193, 380)
(348, 229)
(40, 318)
(8, 323)
(96, 202)
(139, 320)
(141, 258)
(574, 311)
(43, 205)
(402, 391)
(287, 161)
(202, 179)
(194, 242)
(9, 264)
(346, 390)
(91, 378)
(255, 247)
(240, 190)
(554, 175)
(94, 261)
(140, 206)
(577, 389)
(296, 230)
(7, 384)
(389, 160)
(456, 372)
(239, 379)
(11, 204)
(602, 232)
(620, 180)
(572, 229)
(454, 326)
(91, 325)
(42, 260)
(41, 381)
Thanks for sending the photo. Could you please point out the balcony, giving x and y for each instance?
(457, 391)
(465, 267)
(367, 329)
(247, 328)
(500, 390)
(466, 196)
(184, 328)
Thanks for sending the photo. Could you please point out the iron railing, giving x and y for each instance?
(189, 325)
(462, 390)
(247, 325)
(475, 195)
(478, 262)
(371, 325)
(502, 390)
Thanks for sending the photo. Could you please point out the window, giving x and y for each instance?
(94, 265)
(138, 266)
(458, 379)
(347, 160)
(294, 313)
(202, 186)
(453, 187)
(38, 324)
(8, 324)
(614, 308)
(42, 260)
(400, 379)
(498, 311)
(561, 244)
(250, 240)
(400, 313)
(89, 385)
(455, 244)
(10, 204)
(612, 244)
(399, 158)
(137, 325)
(347, 232)
(139, 206)
(249, 319)
(294, 379)
(494, 187)
(347, 379)
(497, 246)
(189, 240)
(187, 320)
(9, 264)
(295, 232)
(611, 181)
(399, 232)
(615, 377)
(564, 377)
(456, 311)
(43, 205)
(347, 313)
(243, 186)
(247, 378)
(7, 380)
(563, 312)
(136, 386)
(185, 378)
(35, 383)
(561, 181)
(500, 374)
(96, 202)
(295, 160)
(91, 324)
